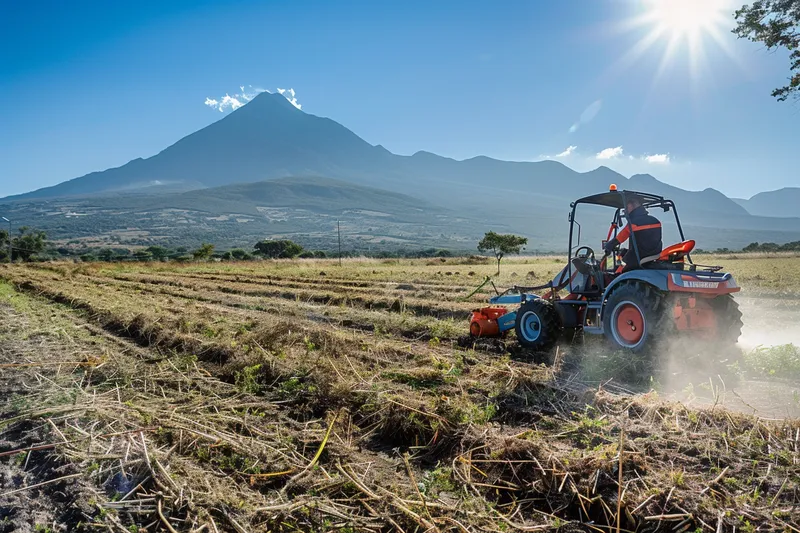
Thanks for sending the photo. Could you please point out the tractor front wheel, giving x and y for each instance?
(538, 325)
(631, 317)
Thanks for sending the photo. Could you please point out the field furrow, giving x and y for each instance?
(266, 398)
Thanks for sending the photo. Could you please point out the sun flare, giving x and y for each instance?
(686, 17)
(683, 27)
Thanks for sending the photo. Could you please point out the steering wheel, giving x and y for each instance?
(589, 253)
(585, 262)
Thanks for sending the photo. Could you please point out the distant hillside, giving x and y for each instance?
(306, 209)
(320, 195)
(781, 203)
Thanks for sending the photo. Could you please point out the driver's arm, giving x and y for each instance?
(621, 237)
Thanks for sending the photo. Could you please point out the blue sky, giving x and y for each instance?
(91, 85)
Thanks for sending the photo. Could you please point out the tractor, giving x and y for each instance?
(665, 298)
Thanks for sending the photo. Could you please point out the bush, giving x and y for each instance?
(240, 255)
(27, 244)
(284, 249)
(204, 253)
(774, 361)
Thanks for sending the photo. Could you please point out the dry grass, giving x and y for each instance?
(271, 397)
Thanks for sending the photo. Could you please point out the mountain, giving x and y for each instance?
(302, 208)
(269, 139)
(781, 203)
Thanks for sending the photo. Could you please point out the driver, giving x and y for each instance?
(647, 230)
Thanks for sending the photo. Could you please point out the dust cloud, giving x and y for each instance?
(769, 321)
(704, 380)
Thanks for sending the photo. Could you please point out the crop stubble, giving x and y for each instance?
(272, 399)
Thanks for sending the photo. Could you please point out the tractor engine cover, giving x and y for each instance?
(484, 321)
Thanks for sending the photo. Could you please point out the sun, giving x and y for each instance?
(683, 27)
(686, 17)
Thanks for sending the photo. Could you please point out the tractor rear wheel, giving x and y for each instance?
(632, 317)
(729, 320)
(538, 325)
(729, 329)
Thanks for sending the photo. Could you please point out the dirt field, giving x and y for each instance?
(301, 396)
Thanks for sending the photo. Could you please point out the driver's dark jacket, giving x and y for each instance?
(647, 232)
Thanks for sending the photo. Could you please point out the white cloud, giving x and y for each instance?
(568, 152)
(290, 95)
(236, 101)
(659, 159)
(610, 153)
(244, 95)
(587, 116)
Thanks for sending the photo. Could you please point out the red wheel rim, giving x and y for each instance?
(630, 324)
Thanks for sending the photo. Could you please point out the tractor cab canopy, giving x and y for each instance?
(617, 199)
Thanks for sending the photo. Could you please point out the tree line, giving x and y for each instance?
(22, 247)
(772, 247)
(32, 245)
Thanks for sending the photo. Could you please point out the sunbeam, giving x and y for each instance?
(684, 25)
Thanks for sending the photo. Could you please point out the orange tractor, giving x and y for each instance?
(666, 297)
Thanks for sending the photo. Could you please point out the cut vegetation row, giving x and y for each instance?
(212, 415)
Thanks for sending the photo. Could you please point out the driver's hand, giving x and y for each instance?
(610, 246)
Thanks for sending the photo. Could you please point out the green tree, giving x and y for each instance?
(142, 255)
(159, 253)
(501, 245)
(203, 253)
(775, 24)
(240, 255)
(278, 249)
(27, 244)
(120, 254)
(105, 254)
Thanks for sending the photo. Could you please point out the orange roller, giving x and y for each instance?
(484, 321)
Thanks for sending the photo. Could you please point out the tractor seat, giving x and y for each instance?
(671, 254)
(590, 286)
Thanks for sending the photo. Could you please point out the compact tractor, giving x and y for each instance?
(665, 298)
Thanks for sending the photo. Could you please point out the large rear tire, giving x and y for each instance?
(729, 329)
(729, 319)
(538, 326)
(632, 317)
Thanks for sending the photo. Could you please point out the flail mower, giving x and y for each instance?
(666, 297)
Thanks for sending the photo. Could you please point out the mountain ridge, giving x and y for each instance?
(784, 202)
(269, 139)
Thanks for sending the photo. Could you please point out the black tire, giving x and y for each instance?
(729, 319)
(538, 326)
(642, 303)
(729, 329)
